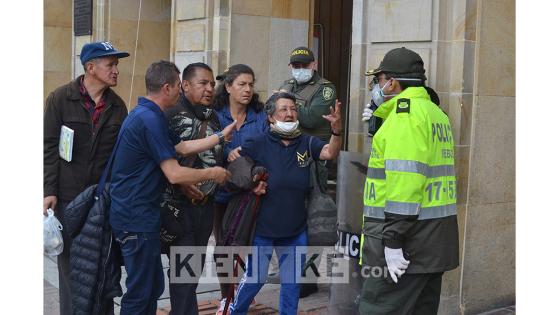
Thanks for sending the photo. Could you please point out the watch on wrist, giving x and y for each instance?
(335, 134)
(221, 137)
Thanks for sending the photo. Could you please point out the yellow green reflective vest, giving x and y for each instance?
(411, 172)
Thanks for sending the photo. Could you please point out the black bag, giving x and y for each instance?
(321, 212)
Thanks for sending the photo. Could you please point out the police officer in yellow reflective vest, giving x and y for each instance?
(409, 235)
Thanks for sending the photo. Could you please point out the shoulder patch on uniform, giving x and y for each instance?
(291, 81)
(328, 93)
(403, 105)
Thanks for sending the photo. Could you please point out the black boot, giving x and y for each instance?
(306, 289)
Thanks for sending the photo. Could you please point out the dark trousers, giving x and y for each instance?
(142, 261)
(197, 221)
(63, 263)
(219, 212)
(416, 294)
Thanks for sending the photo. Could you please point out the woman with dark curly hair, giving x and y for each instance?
(235, 99)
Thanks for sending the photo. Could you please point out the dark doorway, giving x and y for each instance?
(332, 41)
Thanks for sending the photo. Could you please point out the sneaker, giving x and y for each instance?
(222, 306)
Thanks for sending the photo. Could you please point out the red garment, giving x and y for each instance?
(94, 109)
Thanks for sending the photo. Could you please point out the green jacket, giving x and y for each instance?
(410, 193)
(314, 98)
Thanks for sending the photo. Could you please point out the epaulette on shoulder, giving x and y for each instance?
(403, 105)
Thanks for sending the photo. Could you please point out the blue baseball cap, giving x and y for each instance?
(100, 49)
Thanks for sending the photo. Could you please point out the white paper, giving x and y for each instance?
(66, 143)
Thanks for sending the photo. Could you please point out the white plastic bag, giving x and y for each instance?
(52, 237)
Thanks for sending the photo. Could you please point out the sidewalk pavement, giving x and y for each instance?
(208, 294)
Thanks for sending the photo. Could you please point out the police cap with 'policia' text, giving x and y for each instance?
(302, 55)
(404, 62)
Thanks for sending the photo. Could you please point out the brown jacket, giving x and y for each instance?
(91, 148)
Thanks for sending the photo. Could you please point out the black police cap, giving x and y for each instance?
(404, 62)
(302, 55)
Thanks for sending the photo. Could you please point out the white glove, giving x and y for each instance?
(395, 262)
(368, 112)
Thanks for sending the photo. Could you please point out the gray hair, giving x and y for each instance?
(159, 74)
(94, 60)
(270, 106)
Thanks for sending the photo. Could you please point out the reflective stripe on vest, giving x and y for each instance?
(420, 168)
(404, 208)
(376, 173)
(425, 213)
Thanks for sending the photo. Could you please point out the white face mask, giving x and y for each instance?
(377, 94)
(302, 75)
(287, 126)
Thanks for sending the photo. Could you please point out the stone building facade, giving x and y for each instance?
(469, 51)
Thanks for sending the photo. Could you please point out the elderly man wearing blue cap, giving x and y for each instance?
(85, 115)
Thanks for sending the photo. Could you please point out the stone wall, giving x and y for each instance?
(263, 34)
(114, 21)
(259, 33)
(57, 47)
(121, 27)
(488, 275)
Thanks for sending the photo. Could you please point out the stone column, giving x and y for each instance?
(193, 25)
(488, 259)
(357, 138)
(455, 45)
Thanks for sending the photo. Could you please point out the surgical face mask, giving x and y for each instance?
(302, 75)
(377, 95)
(287, 126)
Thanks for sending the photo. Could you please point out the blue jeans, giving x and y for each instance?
(289, 289)
(142, 261)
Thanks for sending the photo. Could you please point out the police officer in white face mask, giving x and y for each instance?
(314, 94)
(314, 98)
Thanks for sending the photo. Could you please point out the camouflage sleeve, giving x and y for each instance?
(310, 116)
